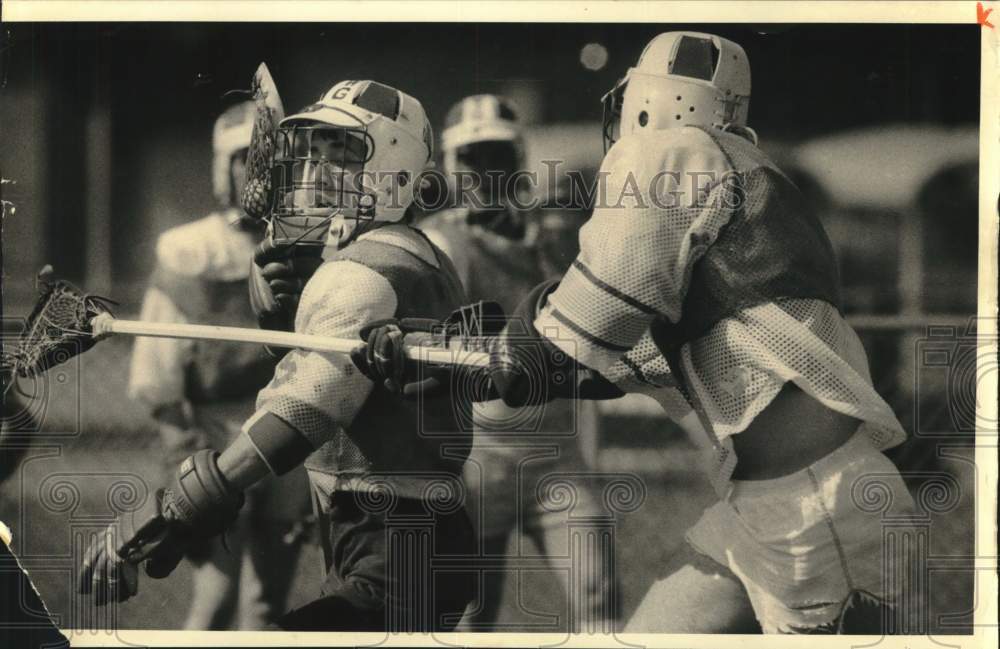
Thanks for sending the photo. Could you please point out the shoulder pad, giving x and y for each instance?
(337, 281)
(680, 145)
(208, 247)
(448, 229)
(184, 249)
(445, 218)
(406, 238)
(688, 155)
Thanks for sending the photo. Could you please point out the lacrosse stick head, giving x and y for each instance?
(257, 196)
(58, 328)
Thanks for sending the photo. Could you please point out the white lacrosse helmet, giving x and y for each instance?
(478, 119)
(230, 136)
(384, 144)
(681, 79)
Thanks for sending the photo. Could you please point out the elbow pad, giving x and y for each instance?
(279, 444)
(527, 369)
(523, 363)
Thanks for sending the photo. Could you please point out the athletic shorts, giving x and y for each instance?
(806, 544)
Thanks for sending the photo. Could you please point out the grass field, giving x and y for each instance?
(98, 451)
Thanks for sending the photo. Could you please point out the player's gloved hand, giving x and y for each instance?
(198, 505)
(383, 359)
(278, 275)
(528, 369)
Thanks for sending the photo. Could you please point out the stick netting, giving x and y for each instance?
(57, 329)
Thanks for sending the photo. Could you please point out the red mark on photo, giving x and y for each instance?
(983, 15)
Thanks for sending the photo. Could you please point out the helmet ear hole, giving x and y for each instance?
(683, 78)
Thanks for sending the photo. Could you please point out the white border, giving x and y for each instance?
(490, 10)
(985, 620)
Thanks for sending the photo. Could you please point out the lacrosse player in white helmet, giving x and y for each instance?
(304, 227)
(199, 391)
(701, 245)
(387, 471)
(496, 246)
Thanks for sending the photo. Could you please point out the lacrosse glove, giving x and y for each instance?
(278, 275)
(383, 359)
(198, 505)
(525, 367)
(528, 369)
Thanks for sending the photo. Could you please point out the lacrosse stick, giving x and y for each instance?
(256, 197)
(66, 322)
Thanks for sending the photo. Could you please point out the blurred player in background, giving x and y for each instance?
(501, 251)
(347, 165)
(717, 259)
(200, 391)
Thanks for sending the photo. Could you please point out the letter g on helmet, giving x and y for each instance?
(397, 141)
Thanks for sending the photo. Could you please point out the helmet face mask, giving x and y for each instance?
(493, 163)
(498, 156)
(317, 175)
(482, 138)
(353, 157)
(611, 104)
(681, 79)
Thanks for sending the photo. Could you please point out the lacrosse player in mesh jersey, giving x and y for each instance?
(344, 173)
(701, 249)
(199, 391)
(497, 248)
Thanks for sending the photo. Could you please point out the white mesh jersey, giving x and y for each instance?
(209, 248)
(321, 393)
(313, 391)
(661, 204)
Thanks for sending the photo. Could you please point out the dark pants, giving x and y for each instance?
(386, 571)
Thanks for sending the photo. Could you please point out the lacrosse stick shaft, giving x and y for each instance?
(106, 324)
